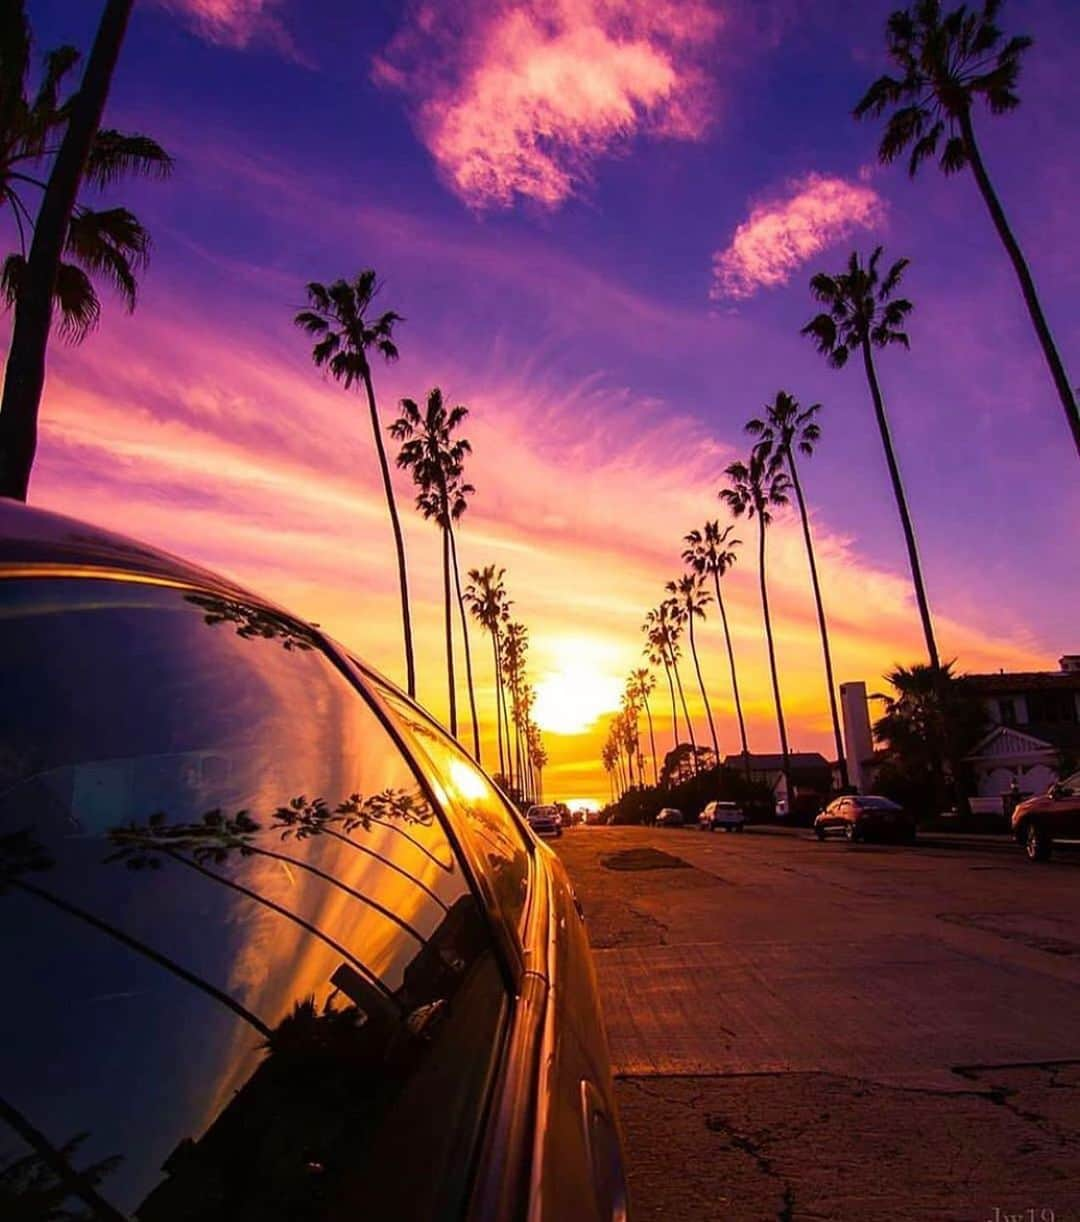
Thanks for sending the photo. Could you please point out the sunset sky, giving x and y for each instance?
(598, 218)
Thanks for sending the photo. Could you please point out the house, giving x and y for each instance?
(1035, 728)
(811, 773)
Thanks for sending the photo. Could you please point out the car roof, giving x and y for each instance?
(39, 539)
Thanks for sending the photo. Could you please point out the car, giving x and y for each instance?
(275, 947)
(865, 817)
(1037, 822)
(544, 820)
(728, 815)
(669, 817)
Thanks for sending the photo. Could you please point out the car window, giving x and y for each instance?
(245, 976)
(493, 831)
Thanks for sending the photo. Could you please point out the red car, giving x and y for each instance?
(1055, 815)
(865, 817)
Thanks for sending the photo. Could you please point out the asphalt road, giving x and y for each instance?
(833, 1031)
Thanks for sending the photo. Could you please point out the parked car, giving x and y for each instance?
(1055, 815)
(274, 947)
(544, 820)
(669, 817)
(865, 817)
(728, 815)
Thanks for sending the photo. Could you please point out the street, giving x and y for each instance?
(833, 1031)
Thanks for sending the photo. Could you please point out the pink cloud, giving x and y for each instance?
(232, 23)
(782, 233)
(518, 99)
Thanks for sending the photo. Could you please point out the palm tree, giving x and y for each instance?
(644, 683)
(689, 593)
(864, 314)
(437, 462)
(486, 597)
(659, 649)
(515, 650)
(712, 550)
(672, 617)
(946, 62)
(786, 428)
(754, 487)
(109, 243)
(345, 334)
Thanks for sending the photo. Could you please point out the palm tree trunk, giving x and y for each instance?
(74, 1184)
(468, 652)
(734, 678)
(506, 717)
(772, 665)
(674, 713)
(826, 652)
(1023, 274)
(901, 505)
(704, 694)
(686, 714)
(289, 916)
(24, 379)
(652, 740)
(498, 701)
(448, 625)
(399, 538)
(141, 948)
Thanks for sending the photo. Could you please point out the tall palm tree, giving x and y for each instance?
(712, 550)
(486, 597)
(863, 313)
(947, 61)
(345, 332)
(437, 462)
(691, 598)
(754, 488)
(70, 242)
(644, 684)
(785, 428)
(671, 619)
(658, 649)
(515, 650)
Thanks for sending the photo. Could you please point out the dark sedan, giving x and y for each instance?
(274, 947)
(865, 817)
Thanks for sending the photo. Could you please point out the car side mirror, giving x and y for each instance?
(1058, 791)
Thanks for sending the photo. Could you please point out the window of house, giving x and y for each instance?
(1007, 712)
(1051, 706)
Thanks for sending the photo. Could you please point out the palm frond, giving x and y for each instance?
(77, 301)
(114, 155)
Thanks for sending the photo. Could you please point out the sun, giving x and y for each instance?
(572, 696)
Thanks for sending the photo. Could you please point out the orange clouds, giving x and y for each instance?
(782, 233)
(516, 100)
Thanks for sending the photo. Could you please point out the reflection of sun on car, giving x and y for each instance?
(280, 949)
(1055, 815)
(669, 817)
(865, 817)
(728, 815)
(544, 820)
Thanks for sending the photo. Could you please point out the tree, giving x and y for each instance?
(754, 487)
(786, 428)
(437, 463)
(690, 599)
(863, 313)
(947, 62)
(662, 631)
(657, 649)
(671, 619)
(643, 684)
(71, 242)
(486, 598)
(712, 550)
(340, 321)
(515, 651)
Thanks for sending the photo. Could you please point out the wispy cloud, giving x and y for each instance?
(233, 23)
(518, 99)
(783, 232)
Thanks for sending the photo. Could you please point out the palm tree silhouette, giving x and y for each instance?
(947, 61)
(671, 619)
(144, 847)
(754, 487)
(71, 242)
(712, 550)
(515, 649)
(20, 854)
(864, 314)
(787, 427)
(486, 597)
(659, 649)
(643, 682)
(437, 462)
(691, 599)
(339, 320)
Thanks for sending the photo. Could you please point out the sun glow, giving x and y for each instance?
(570, 697)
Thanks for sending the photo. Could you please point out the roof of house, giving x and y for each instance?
(798, 761)
(1019, 681)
